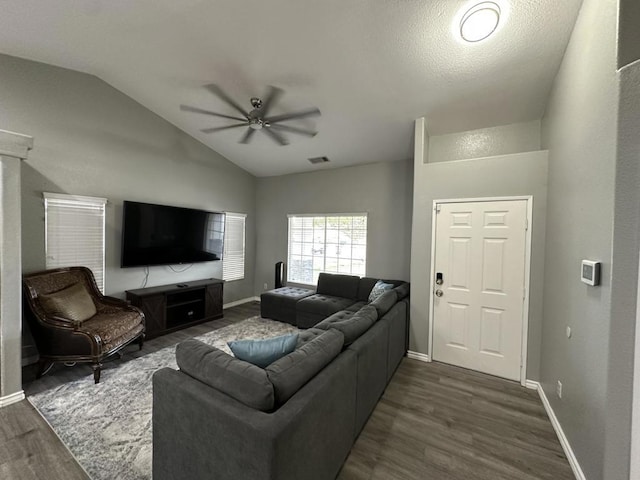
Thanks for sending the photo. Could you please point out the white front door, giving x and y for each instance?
(478, 308)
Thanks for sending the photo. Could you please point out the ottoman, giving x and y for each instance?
(280, 304)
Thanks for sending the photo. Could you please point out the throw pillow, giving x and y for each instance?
(264, 352)
(73, 303)
(378, 289)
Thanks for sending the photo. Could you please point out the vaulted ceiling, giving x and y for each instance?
(371, 67)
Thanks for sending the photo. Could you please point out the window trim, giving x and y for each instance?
(325, 215)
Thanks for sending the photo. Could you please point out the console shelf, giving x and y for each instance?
(171, 307)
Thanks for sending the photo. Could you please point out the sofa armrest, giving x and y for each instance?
(198, 430)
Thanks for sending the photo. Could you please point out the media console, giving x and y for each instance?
(171, 307)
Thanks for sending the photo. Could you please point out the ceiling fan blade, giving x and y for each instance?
(272, 96)
(275, 136)
(311, 112)
(287, 128)
(188, 108)
(217, 129)
(217, 91)
(246, 138)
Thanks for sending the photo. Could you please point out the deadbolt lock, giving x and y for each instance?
(438, 293)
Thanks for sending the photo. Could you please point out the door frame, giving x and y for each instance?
(527, 270)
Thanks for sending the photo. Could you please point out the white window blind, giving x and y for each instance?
(233, 258)
(74, 233)
(326, 243)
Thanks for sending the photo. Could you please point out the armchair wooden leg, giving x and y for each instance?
(96, 372)
(43, 367)
(141, 341)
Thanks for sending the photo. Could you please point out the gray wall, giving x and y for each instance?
(383, 190)
(90, 139)
(506, 175)
(579, 130)
(624, 282)
(485, 142)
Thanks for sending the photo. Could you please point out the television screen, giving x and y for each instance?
(164, 235)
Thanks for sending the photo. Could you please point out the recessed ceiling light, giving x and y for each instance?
(480, 21)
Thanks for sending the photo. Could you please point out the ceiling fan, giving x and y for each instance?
(258, 118)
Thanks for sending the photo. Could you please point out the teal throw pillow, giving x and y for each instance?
(264, 352)
(378, 289)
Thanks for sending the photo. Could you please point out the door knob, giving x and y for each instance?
(438, 293)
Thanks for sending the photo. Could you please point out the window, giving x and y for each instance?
(326, 243)
(233, 257)
(74, 233)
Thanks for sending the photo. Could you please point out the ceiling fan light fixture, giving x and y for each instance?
(256, 124)
(480, 21)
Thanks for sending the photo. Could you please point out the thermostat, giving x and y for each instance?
(590, 273)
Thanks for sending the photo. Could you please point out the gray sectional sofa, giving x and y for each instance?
(219, 417)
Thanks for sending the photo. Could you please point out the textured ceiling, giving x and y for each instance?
(371, 67)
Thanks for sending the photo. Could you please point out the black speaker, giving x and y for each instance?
(279, 274)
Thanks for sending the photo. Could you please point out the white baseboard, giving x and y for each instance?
(423, 357)
(568, 451)
(240, 302)
(10, 399)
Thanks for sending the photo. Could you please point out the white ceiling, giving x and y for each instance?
(371, 67)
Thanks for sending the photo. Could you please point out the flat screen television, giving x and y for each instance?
(164, 235)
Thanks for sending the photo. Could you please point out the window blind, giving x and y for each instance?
(74, 233)
(234, 247)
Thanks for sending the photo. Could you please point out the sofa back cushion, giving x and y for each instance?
(345, 286)
(402, 290)
(291, 372)
(351, 324)
(384, 302)
(240, 380)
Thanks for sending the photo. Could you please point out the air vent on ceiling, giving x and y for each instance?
(315, 160)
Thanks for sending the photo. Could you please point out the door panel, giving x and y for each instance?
(480, 251)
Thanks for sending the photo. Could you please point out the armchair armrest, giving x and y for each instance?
(106, 304)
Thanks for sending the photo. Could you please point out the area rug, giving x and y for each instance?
(107, 426)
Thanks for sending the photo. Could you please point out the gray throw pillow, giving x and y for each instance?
(378, 289)
(384, 302)
(291, 372)
(240, 380)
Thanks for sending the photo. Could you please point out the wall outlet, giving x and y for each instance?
(559, 389)
(266, 286)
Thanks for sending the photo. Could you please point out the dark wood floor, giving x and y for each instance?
(433, 422)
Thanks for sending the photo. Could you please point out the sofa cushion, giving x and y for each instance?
(324, 305)
(292, 371)
(378, 289)
(240, 380)
(305, 336)
(402, 290)
(355, 307)
(73, 303)
(263, 352)
(351, 324)
(384, 302)
(111, 326)
(345, 286)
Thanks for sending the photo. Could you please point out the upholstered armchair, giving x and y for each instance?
(71, 321)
